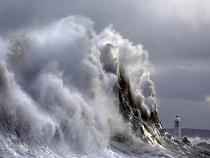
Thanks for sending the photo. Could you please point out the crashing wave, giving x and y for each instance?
(67, 92)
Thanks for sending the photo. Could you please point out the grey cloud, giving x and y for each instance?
(15, 15)
(182, 83)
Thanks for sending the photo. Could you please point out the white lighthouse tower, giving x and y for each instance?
(177, 127)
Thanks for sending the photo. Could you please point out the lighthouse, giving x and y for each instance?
(177, 127)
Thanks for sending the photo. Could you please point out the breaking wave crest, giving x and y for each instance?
(67, 92)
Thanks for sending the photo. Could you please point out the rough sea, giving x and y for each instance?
(67, 92)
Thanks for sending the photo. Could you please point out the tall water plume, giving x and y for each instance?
(65, 91)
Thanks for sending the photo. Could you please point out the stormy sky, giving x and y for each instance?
(175, 33)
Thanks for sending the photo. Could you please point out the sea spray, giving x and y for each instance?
(55, 88)
(66, 91)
